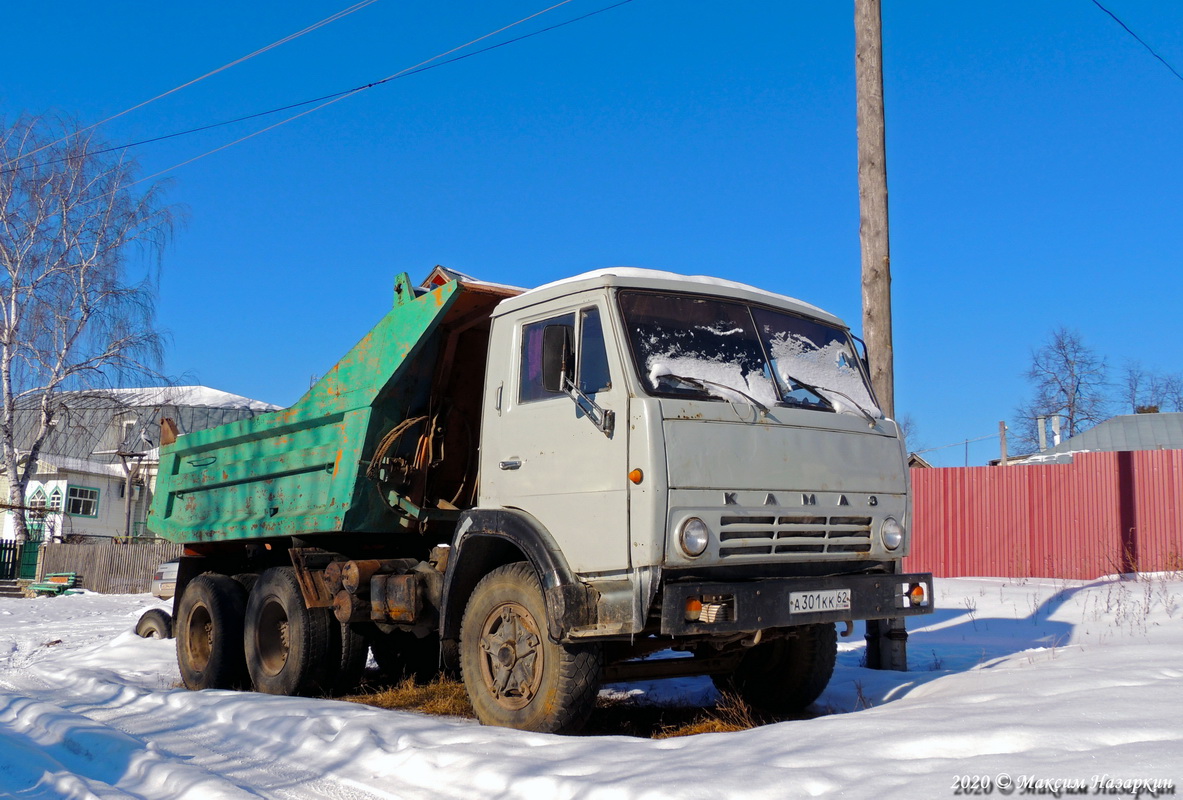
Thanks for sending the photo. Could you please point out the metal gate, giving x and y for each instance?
(8, 560)
(30, 551)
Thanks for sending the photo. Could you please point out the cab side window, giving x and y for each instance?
(530, 379)
(591, 355)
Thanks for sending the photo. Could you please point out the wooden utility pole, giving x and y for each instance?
(887, 640)
(872, 190)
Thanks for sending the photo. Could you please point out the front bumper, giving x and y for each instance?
(785, 602)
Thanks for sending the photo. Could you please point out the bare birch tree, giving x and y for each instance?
(1147, 392)
(80, 249)
(1070, 381)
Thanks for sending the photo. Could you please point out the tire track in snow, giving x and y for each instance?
(119, 738)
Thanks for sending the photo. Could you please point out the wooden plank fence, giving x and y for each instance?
(109, 567)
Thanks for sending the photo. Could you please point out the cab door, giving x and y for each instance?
(544, 453)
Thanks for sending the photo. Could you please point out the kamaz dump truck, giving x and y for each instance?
(542, 490)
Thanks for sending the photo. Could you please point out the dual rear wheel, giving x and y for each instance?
(229, 638)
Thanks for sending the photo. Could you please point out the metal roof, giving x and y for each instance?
(89, 425)
(1162, 431)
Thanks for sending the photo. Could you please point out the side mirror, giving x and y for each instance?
(557, 357)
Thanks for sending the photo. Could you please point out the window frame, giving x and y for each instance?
(70, 497)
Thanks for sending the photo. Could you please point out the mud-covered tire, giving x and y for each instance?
(288, 646)
(515, 675)
(785, 675)
(401, 655)
(208, 628)
(155, 623)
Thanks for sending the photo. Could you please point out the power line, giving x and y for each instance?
(338, 98)
(329, 19)
(1149, 49)
(333, 97)
(961, 443)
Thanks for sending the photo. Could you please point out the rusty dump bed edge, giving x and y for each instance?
(302, 470)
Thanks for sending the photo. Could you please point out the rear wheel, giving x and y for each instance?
(785, 675)
(515, 675)
(209, 633)
(288, 646)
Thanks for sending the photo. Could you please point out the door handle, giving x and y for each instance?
(512, 463)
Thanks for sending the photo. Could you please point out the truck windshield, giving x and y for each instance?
(712, 349)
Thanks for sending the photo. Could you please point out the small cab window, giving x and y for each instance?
(593, 356)
(590, 360)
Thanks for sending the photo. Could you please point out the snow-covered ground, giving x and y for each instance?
(1018, 680)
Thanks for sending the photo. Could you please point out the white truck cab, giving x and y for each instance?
(704, 458)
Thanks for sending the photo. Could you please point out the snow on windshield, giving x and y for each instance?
(712, 372)
(830, 369)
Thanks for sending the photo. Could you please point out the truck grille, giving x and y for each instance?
(786, 535)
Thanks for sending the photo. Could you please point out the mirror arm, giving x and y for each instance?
(602, 418)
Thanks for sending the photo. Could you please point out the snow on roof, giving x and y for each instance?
(637, 276)
(193, 396)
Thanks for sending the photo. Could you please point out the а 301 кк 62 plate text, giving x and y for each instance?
(822, 600)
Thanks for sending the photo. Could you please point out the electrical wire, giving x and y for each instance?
(290, 37)
(1149, 49)
(962, 443)
(333, 97)
(422, 66)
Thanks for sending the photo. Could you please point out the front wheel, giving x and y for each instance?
(785, 675)
(515, 675)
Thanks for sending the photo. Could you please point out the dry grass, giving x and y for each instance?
(443, 697)
(730, 714)
(611, 717)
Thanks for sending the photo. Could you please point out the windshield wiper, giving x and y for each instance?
(702, 383)
(817, 390)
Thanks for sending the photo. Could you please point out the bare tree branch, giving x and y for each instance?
(1070, 381)
(79, 258)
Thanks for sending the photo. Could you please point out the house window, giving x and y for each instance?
(82, 501)
(37, 499)
(55, 500)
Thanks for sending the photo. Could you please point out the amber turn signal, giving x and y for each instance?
(636, 476)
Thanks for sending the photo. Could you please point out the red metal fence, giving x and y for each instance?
(1101, 514)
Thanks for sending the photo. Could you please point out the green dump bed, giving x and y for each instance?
(302, 470)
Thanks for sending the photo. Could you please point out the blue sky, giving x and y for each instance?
(1034, 166)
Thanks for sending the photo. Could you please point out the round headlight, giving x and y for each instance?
(693, 537)
(892, 533)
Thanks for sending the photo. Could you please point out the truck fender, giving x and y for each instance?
(488, 538)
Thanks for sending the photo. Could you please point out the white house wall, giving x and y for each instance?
(110, 519)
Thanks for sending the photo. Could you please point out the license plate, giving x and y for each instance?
(824, 600)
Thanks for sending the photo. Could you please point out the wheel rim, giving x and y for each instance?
(511, 655)
(200, 641)
(272, 638)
